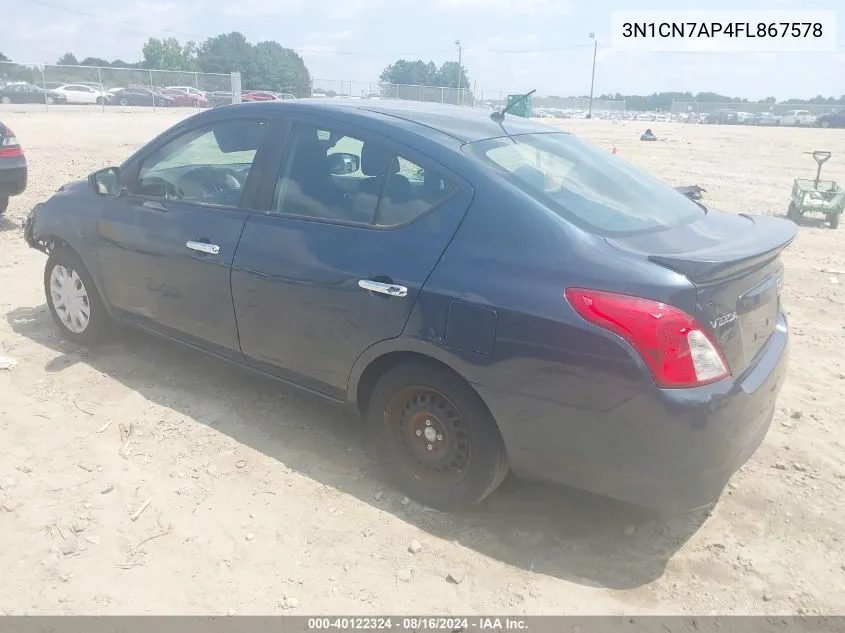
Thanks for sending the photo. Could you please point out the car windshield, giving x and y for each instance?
(585, 184)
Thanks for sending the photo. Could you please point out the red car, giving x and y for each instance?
(260, 95)
(185, 99)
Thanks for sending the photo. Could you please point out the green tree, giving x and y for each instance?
(68, 59)
(410, 73)
(263, 66)
(168, 54)
(95, 61)
(401, 73)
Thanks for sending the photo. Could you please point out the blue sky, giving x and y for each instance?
(508, 45)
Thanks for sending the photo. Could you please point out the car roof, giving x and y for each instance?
(460, 122)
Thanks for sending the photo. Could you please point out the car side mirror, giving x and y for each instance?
(343, 163)
(105, 182)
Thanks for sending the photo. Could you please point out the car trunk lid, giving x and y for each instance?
(734, 262)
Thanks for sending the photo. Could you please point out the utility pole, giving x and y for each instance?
(593, 80)
(460, 69)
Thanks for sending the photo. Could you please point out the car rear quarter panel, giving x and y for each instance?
(552, 373)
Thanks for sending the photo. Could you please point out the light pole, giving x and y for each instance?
(593, 80)
(460, 52)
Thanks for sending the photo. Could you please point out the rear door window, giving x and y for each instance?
(585, 184)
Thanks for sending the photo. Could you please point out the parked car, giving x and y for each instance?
(191, 90)
(13, 170)
(219, 98)
(80, 93)
(259, 95)
(832, 119)
(183, 99)
(722, 117)
(27, 93)
(798, 118)
(764, 118)
(140, 96)
(633, 344)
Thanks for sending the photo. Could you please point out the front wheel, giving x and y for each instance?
(825, 124)
(834, 220)
(4, 204)
(436, 437)
(6, 100)
(50, 100)
(73, 299)
(123, 101)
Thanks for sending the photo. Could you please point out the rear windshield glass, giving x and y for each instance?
(587, 185)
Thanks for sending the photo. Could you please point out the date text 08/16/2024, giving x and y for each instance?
(450, 624)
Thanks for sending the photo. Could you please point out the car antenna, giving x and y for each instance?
(499, 115)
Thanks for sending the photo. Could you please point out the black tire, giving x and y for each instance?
(99, 101)
(50, 101)
(6, 100)
(469, 460)
(792, 213)
(825, 124)
(834, 221)
(98, 321)
(4, 204)
(123, 101)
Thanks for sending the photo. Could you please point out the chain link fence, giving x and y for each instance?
(701, 107)
(331, 88)
(66, 85)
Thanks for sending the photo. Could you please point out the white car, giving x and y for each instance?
(798, 118)
(79, 93)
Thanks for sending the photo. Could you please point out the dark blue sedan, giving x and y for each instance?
(492, 294)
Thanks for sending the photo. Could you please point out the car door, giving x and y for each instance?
(166, 243)
(337, 263)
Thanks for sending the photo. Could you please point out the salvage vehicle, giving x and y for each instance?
(13, 169)
(493, 295)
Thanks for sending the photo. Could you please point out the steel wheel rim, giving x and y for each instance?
(70, 299)
(430, 435)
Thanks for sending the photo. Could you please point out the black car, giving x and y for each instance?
(832, 119)
(142, 97)
(27, 93)
(13, 171)
(493, 294)
(723, 117)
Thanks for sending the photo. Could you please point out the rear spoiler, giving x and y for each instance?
(693, 192)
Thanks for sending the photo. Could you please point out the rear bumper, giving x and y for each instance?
(673, 450)
(13, 175)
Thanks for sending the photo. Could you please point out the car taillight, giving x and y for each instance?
(9, 145)
(673, 344)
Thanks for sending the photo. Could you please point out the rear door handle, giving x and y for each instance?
(203, 247)
(392, 290)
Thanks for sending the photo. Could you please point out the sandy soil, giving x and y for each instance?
(265, 501)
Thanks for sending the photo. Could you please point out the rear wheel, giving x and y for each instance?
(436, 438)
(50, 100)
(834, 220)
(73, 299)
(123, 101)
(825, 124)
(792, 213)
(4, 204)
(6, 100)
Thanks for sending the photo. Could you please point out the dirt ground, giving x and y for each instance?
(255, 499)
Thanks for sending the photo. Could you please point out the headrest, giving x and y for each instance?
(377, 160)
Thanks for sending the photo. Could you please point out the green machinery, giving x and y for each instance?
(521, 105)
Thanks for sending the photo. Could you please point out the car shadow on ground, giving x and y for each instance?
(556, 531)
(8, 224)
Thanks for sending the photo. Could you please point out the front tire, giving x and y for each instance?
(834, 221)
(4, 204)
(50, 100)
(792, 213)
(73, 299)
(6, 100)
(435, 436)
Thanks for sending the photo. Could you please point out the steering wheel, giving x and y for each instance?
(218, 184)
(159, 188)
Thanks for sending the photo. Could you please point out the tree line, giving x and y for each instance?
(270, 66)
(263, 65)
